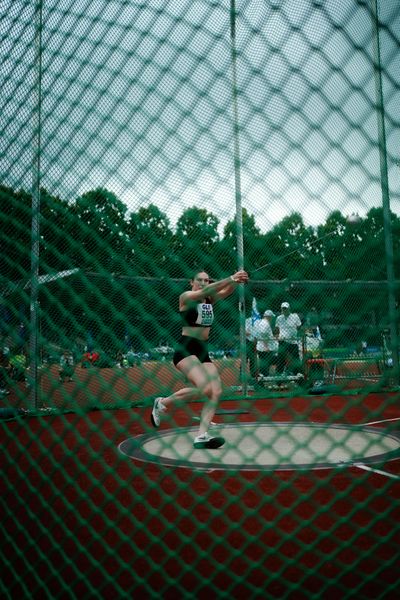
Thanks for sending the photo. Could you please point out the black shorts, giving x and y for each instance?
(189, 346)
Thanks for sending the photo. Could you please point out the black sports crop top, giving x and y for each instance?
(199, 315)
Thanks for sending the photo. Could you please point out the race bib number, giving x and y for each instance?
(206, 315)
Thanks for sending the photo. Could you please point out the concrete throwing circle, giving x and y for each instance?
(269, 446)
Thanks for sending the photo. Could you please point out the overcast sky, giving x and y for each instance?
(137, 97)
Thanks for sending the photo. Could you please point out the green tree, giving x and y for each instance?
(291, 250)
(253, 243)
(332, 246)
(15, 234)
(56, 233)
(100, 239)
(101, 231)
(373, 254)
(195, 241)
(150, 237)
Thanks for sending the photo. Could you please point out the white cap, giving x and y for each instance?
(285, 305)
(269, 313)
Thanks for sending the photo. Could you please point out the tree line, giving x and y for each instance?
(132, 265)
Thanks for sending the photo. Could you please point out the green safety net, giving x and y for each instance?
(143, 143)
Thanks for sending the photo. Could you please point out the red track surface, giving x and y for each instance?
(81, 520)
(110, 387)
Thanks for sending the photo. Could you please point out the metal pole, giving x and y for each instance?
(35, 224)
(387, 228)
(238, 201)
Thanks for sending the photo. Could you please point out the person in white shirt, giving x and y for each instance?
(287, 327)
(267, 344)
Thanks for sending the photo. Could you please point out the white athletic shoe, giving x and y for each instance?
(158, 408)
(205, 441)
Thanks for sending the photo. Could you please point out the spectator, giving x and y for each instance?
(312, 342)
(266, 343)
(66, 366)
(287, 327)
(121, 360)
(18, 365)
(133, 358)
(312, 335)
(90, 359)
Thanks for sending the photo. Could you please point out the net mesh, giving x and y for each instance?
(141, 144)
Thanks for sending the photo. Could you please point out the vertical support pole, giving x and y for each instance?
(238, 201)
(394, 342)
(35, 223)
